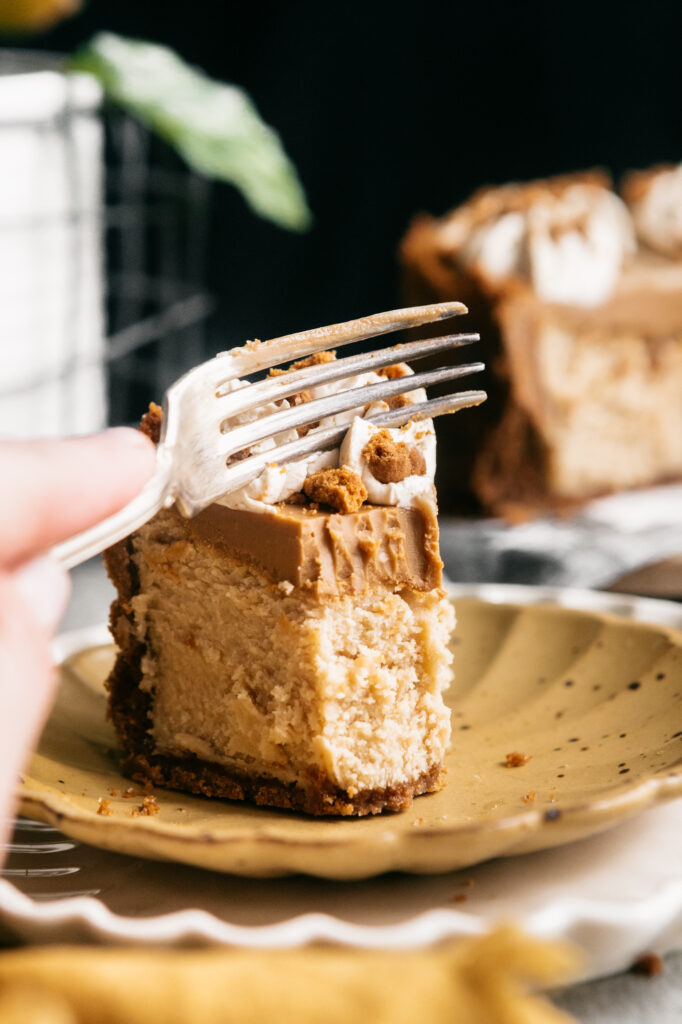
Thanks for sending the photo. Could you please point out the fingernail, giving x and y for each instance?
(129, 436)
(44, 588)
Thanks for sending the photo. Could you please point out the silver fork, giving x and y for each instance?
(198, 442)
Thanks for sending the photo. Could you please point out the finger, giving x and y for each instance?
(27, 676)
(53, 489)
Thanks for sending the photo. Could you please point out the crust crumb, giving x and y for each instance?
(104, 807)
(341, 488)
(515, 759)
(529, 798)
(150, 424)
(149, 807)
(391, 461)
(648, 965)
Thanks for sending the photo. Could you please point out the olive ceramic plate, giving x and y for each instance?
(588, 705)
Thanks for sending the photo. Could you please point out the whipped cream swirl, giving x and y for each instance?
(657, 211)
(568, 241)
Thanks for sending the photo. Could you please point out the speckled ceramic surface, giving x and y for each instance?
(591, 702)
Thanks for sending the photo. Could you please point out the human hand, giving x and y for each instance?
(50, 491)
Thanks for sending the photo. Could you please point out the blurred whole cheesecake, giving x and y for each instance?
(289, 645)
(578, 293)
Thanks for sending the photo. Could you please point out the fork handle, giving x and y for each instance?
(154, 495)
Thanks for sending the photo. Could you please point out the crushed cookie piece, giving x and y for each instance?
(396, 371)
(316, 359)
(515, 759)
(104, 807)
(391, 461)
(286, 586)
(648, 965)
(417, 462)
(341, 488)
(149, 807)
(129, 793)
(399, 402)
(150, 424)
(529, 798)
(296, 499)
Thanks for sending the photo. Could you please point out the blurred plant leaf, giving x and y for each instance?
(213, 125)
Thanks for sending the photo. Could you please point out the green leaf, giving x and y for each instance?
(213, 125)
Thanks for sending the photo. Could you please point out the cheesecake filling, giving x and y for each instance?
(262, 676)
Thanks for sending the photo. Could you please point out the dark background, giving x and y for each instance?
(391, 108)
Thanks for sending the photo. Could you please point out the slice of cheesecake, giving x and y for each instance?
(291, 653)
(582, 315)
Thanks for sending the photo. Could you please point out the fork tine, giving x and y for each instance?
(294, 381)
(329, 437)
(260, 355)
(239, 438)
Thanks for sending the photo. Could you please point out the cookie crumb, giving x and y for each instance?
(150, 424)
(515, 759)
(396, 371)
(114, 792)
(648, 965)
(286, 586)
(148, 807)
(104, 807)
(341, 488)
(391, 461)
(459, 897)
(529, 798)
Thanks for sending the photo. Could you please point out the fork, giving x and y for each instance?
(195, 459)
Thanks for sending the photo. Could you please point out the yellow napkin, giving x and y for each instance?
(476, 981)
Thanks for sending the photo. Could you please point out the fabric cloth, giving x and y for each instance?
(476, 981)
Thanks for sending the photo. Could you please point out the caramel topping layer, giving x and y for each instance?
(329, 554)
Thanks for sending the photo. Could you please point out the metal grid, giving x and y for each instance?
(156, 233)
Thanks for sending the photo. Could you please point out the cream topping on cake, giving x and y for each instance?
(655, 199)
(418, 435)
(277, 483)
(569, 239)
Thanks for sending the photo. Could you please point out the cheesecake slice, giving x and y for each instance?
(582, 314)
(291, 652)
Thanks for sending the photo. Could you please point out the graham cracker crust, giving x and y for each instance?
(317, 798)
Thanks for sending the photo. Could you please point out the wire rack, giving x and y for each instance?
(156, 239)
